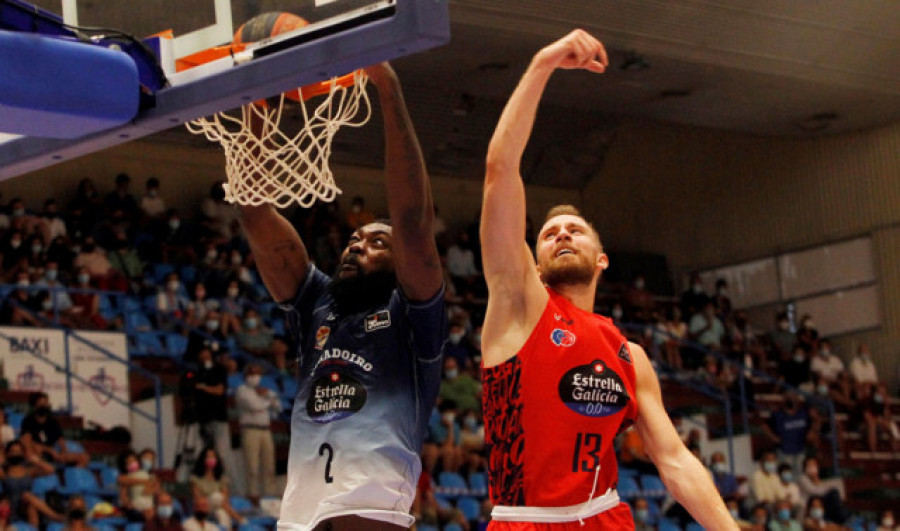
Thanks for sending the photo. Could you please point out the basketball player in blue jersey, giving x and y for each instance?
(370, 342)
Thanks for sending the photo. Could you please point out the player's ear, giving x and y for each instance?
(602, 261)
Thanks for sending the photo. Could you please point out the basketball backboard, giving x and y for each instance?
(343, 35)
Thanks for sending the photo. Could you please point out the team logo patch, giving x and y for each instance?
(334, 396)
(624, 354)
(102, 386)
(593, 390)
(379, 320)
(562, 338)
(322, 336)
(30, 380)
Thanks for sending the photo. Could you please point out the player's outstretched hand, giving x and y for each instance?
(380, 74)
(577, 50)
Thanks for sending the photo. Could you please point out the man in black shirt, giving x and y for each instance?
(43, 436)
(211, 403)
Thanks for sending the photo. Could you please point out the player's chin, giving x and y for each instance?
(348, 271)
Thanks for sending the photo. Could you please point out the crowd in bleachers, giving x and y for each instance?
(185, 288)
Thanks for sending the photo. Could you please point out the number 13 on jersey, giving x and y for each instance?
(586, 457)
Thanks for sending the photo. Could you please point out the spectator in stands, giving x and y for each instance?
(120, 198)
(843, 392)
(815, 517)
(42, 435)
(35, 247)
(759, 517)
(789, 427)
(178, 239)
(825, 363)
(795, 370)
(471, 434)
(830, 491)
(676, 331)
(201, 519)
(93, 259)
(253, 336)
(328, 248)
(633, 455)
(124, 260)
(51, 280)
(458, 346)
(14, 252)
(783, 518)
(136, 487)
(6, 515)
(461, 263)
(76, 515)
(148, 459)
(171, 303)
(641, 510)
(18, 473)
(218, 215)
(20, 306)
(254, 405)
(209, 335)
(878, 419)
(726, 482)
(887, 522)
(765, 483)
(199, 307)
(807, 334)
(152, 205)
(716, 374)
(61, 252)
(695, 298)
(862, 370)
(164, 518)
(232, 307)
(209, 482)
(54, 224)
(83, 210)
(86, 304)
(781, 339)
(723, 303)
(7, 433)
(790, 487)
(210, 385)
(459, 387)
(706, 328)
(638, 300)
(445, 435)
(358, 215)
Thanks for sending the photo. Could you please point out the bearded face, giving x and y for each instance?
(568, 252)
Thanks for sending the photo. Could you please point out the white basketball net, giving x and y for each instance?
(268, 166)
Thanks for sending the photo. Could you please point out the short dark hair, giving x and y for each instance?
(571, 210)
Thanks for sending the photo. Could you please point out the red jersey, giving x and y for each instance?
(552, 411)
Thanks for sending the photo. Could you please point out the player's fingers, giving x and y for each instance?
(601, 53)
(595, 66)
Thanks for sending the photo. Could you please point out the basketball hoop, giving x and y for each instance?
(266, 165)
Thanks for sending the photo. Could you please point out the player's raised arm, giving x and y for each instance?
(279, 253)
(683, 475)
(409, 198)
(515, 288)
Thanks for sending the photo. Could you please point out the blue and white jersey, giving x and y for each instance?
(368, 382)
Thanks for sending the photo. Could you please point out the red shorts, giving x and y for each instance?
(619, 517)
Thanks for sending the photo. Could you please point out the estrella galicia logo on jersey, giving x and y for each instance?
(624, 354)
(378, 320)
(593, 390)
(322, 336)
(562, 338)
(335, 396)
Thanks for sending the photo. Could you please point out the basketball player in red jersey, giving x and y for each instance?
(559, 381)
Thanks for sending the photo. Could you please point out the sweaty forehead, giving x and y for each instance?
(564, 220)
(372, 229)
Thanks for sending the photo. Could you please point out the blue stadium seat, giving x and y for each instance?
(652, 487)
(22, 526)
(452, 526)
(131, 304)
(109, 477)
(176, 345)
(668, 525)
(14, 419)
(106, 308)
(134, 526)
(240, 504)
(452, 484)
(249, 527)
(469, 507)
(278, 327)
(269, 382)
(426, 527)
(694, 526)
(43, 484)
(628, 488)
(188, 274)
(159, 272)
(79, 481)
(56, 526)
(73, 447)
(137, 321)
(234, 381)
(625, 471)
(288, 387)
(148, 344)
(478, 483)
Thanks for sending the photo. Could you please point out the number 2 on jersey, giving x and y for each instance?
(327, 448)
(587, 452)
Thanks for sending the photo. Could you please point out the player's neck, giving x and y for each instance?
(580, 295)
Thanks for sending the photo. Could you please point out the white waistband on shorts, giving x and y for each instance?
(506, 513)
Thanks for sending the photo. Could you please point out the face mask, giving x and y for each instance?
(878, 399)
(18, 212)
(15, 460)
(809, 324)
(471, 423)
(236, 259)
(734, 513)
(799, 358)
(211, 255)
(477, 339)
(784, 326)
(212, 325)
(174, 224)
(720, 467)
(639, 284)
(250, 323)
(787, 477)
(200, 515)
(451, 373)
(84, 278)
(698, 288)
(151, 192)
(822, 389)
(15, 243)
(449, 417)
(211, 462)
(23, 283)
(770, 466)
(133, 466)
(253, 380)
(43, 411)
(89, 248)
(172, 285)
(245, 276)
(784, 514)
(165, 511)
(47, 304)
(51, 274)
(147, 464)
(723, 292)
(825, 352)
(887, 522)
(36, 249)
(233, 292)
(77, 514)
(616, 313)
(208, 364)
(455, 337)
(817, 513)
(76, 249)
(641, 515)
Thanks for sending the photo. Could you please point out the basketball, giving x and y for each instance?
(267, 25)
